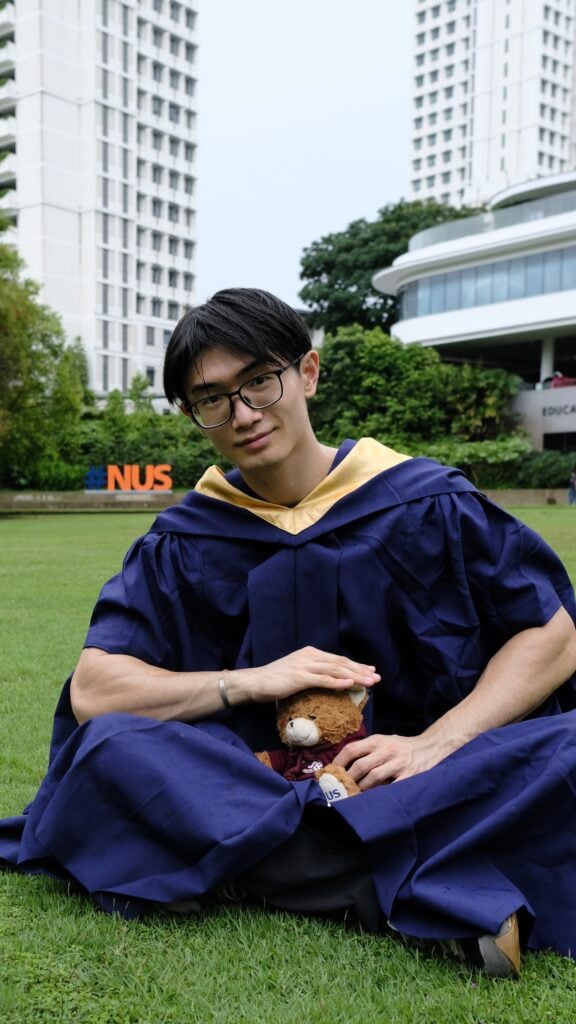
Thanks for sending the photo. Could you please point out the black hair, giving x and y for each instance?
(244, 321)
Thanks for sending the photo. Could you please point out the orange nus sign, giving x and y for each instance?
(138, 478)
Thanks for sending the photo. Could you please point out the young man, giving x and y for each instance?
(312, 566)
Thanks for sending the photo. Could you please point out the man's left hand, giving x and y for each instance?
(379, 759)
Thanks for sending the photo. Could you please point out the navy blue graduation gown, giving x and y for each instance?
(415, 572)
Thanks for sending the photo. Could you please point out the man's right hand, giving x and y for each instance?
(105, 683)
(305, 668)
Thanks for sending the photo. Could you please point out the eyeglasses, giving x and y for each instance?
(258, 393)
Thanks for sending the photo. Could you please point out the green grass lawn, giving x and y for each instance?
(61, 960)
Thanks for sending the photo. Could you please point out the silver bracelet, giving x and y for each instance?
(223, 693)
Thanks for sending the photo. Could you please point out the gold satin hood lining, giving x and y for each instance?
(367, 459)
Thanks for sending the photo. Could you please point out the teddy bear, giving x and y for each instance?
(315, 725)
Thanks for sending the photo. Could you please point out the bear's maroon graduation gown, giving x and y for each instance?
(406, 567)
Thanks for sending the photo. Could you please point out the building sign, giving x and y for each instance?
(550, 411)
(128, 478)
(566, 409)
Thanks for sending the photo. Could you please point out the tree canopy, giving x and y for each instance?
(405, 396)
(338, 268)
(32, 383)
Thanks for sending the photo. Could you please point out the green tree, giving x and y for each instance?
(139, 393)
(31, 345)
(374, 385)
(339, 267)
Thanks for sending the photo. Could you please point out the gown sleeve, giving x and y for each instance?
(146, 610)
(472, 577)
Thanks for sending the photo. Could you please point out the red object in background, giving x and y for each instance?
(562, 382)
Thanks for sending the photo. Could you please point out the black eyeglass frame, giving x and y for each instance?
(189, 406)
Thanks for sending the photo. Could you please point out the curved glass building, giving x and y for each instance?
(500, 289)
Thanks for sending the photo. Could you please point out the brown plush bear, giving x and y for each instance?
(314, 726)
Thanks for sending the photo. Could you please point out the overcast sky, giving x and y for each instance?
(304, 126)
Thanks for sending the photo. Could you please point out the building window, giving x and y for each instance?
(174, 46)
(156, 241)
(173, 278)
(174, 179)
(125, 302)
(157, 207)
(174, 146)
(105, 372)
(125, 233)
(157, 173)
(188, 282)
(157, 71)
(173, 213)
(189, 152)
(157, 105)
(105, 333)
(175, 77)
(156, 307)
(124, 375)
(188, 250)
(173, 245)
(172, 310)
(150, 375)
(124, 337)
(166, 335)
(487, 283)
(190, 86)
(190, 53)
(156, 274)
(150, 339)
(190, 19)
(105, 48)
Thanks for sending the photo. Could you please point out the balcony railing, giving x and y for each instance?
(7, 98)
(522, 213)
(7, 59)
(7, 171)
(7, 21)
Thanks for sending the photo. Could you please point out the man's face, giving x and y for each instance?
(256, 438)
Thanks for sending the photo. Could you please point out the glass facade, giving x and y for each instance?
(481, 285)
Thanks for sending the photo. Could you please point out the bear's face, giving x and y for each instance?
(320, 716)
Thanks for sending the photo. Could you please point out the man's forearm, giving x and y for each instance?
(516, 681)
(106, 682)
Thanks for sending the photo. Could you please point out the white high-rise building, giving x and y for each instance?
(494, 96)
(97, 147)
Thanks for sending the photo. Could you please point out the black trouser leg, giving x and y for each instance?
(320, 870)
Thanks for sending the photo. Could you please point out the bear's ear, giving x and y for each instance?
(357, 695)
